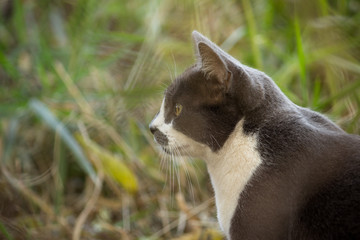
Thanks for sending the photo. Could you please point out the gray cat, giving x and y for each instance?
(279, 171)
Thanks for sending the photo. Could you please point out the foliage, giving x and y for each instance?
(80, 81)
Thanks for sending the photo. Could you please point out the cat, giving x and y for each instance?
(279, 171)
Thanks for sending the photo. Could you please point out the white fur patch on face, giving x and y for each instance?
(230, 170)
(159, 120)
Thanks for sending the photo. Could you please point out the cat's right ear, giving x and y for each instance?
(212, 64)
(210, 61)
(213, 61)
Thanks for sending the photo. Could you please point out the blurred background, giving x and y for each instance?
(81, 80)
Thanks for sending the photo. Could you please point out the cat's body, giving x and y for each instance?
(279, 171)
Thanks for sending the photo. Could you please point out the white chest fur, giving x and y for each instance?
(230, 170)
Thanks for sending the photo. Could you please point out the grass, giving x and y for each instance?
(81, 80)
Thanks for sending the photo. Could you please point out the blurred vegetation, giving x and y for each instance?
(80, 81)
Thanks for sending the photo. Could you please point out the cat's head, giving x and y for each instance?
(202, 106)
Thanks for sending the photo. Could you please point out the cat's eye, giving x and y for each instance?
(178, 109)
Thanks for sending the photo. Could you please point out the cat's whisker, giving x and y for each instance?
(172, 175)
(175, 177)
(216, 141)
(162, 160)
(176, 156)
(184, 163)
(164, 166)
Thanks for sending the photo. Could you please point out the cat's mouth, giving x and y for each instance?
(178, 150)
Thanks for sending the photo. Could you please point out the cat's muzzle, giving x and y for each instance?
(159, 137)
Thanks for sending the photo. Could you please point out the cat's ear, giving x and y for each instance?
(211, 63)
(248, 87)
(209, 59)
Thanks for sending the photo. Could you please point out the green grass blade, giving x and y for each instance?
(346, 91)
(316, 93)
(302, 62)
(19, 20)
(44, 114)
(356, 119)
(251, 25)
(324, 7)
(8, 66)
(4, 231)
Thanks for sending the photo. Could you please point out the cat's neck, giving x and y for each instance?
(230, 170)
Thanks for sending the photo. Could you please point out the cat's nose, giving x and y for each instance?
(152, 129)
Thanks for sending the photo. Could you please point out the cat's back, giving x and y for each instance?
(332, 211)
(309, 183)
(330, 208)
